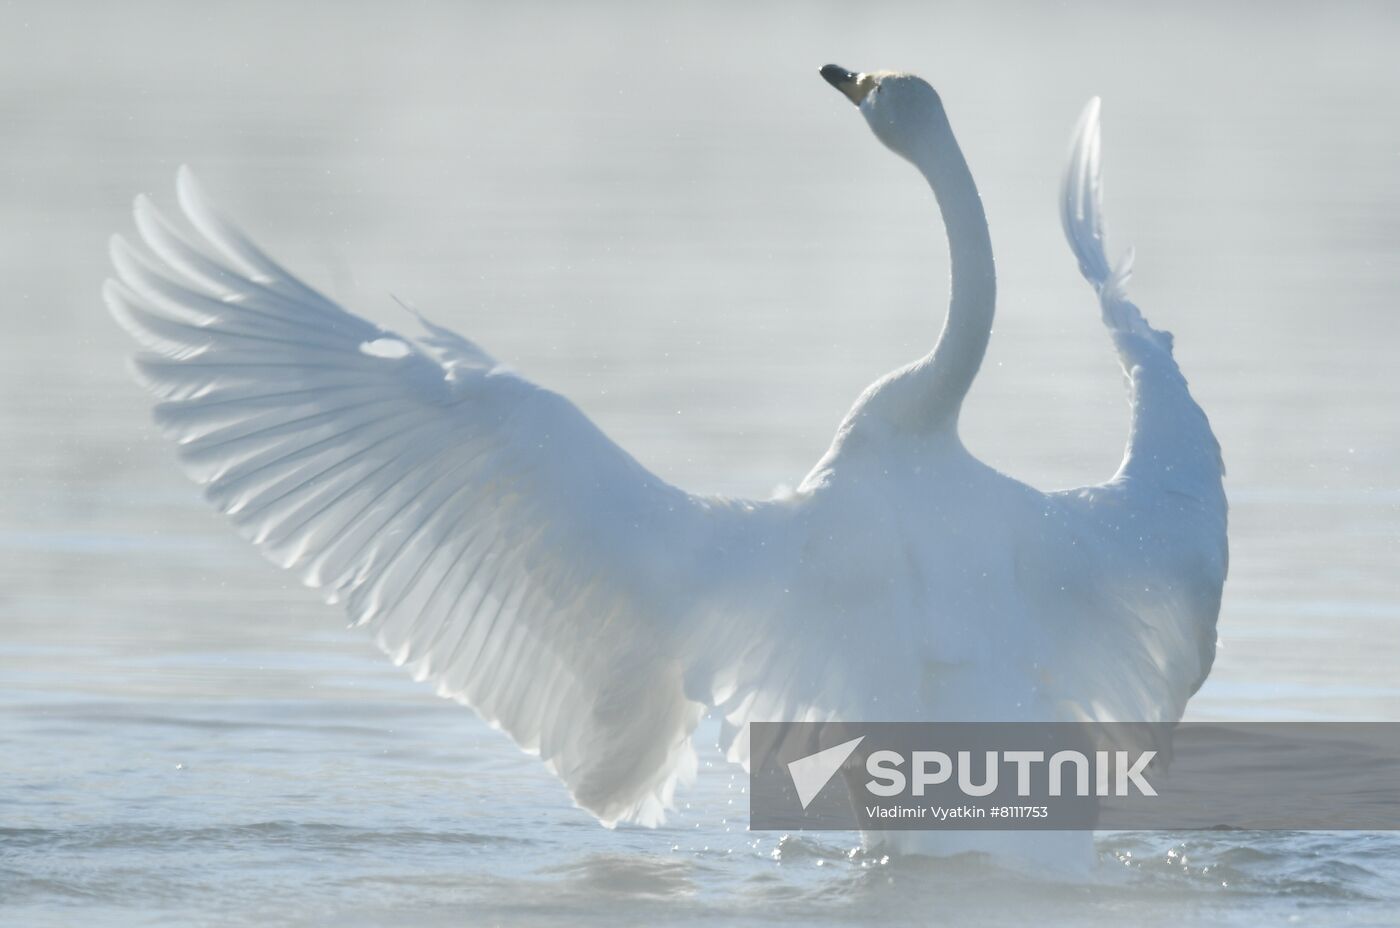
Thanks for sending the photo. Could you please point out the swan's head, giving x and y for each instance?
(903, 110)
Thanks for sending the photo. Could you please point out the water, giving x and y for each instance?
(665, 214)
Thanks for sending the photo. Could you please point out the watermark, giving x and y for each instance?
(1070, 776)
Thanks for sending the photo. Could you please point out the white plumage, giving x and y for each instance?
(499, 545)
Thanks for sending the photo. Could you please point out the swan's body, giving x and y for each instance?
(493, 540)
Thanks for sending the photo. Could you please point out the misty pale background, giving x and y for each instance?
(663, 213)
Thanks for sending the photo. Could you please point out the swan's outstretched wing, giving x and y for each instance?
(1136, 566)
(485, 532)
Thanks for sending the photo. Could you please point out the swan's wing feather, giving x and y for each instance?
(1128, 589)
(1135, 566)
(483, 530)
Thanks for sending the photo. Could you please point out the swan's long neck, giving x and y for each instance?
(952, 365)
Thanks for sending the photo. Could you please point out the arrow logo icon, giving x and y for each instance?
(810, 774)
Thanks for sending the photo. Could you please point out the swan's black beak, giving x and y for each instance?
(855, 86)
(838, 77)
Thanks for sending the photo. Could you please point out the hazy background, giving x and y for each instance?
(662, 212)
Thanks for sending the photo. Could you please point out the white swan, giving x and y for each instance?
(499, 545)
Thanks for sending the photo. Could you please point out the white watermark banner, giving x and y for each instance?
(1299, 776)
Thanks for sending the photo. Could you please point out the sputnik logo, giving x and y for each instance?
(810, 774)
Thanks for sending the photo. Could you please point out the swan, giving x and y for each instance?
(498, 545)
